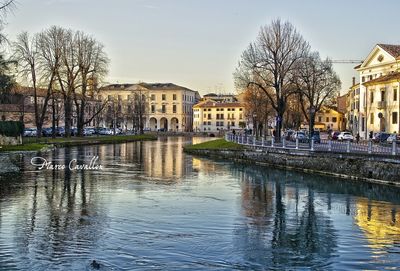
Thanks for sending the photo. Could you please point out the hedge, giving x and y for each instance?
(11, 128)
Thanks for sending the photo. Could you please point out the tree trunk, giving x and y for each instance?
(67, 115)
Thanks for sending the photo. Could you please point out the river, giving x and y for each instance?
(152, 207)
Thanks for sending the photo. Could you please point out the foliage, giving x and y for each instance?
(11, 128)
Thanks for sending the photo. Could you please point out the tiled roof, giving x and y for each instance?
(385, 78)
(150, 86)
(394, 50)
(209, 103)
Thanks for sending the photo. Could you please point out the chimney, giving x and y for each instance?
(354, 81)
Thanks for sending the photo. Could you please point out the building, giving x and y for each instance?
(378, 99)
(212, 116)
(328, 118)
(166, 106)
(19, 105)
(353, 108)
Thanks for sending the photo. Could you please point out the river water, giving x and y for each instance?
(152, 207)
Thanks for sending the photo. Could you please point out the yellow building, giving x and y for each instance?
(166, 106)
(328, 118)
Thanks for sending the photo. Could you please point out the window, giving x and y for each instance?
(163, 108)
(363, 79)
(394, 117)
(205, 116)
(163, 97)
(319, 119)
(153, 108)
(382, 95)
(372, 118)
(363, 124)
(327, 119)
(153, 97)
(395, 94)
(372, 96)
(174, 97)
(334, 119)
(174, 108)
(209, 116)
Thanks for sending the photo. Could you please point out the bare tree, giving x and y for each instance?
(93, 63)
(258, 109)
(27, 55)
(139, 110)
(317, 84)
(269, 62)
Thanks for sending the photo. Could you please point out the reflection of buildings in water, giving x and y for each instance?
(165, 159)
(380, 223)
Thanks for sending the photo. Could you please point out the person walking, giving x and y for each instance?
(358, 137)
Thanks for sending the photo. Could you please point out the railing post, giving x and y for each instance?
(272, 142)
(348, 146)
(370, 147)
(312, 144)
(297, 143)
(254, 141)
(330, 145)
(262, 142)
(283, 143)
(394, 150)
(248, 140)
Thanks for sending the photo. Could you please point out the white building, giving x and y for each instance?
(211, 116)
(167, 106)
(379, 87)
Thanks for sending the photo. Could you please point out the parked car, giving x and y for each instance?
(105, 131)
(345, 136)
(88, 131)
(300, 135)
(316, 137)
(60, 131)
(288, 134)
(393, 138)
(30, 132)
(47, 132)
(380, 137)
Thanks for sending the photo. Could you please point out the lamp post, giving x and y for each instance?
(255, 124)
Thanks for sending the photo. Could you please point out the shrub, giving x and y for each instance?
(11, 128)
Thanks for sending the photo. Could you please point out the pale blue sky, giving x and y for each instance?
(197, 43)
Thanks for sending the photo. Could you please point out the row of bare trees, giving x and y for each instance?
(281, 65)
(67, 64)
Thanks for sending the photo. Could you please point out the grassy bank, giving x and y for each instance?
(218, 144)
(34, 144)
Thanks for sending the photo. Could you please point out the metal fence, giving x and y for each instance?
(366, 147)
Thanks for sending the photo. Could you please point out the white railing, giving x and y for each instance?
(366, 147)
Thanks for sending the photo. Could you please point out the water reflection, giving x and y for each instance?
(153, 207)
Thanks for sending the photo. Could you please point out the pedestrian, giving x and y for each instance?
(233, 132)
(371, 134)
(358, 137)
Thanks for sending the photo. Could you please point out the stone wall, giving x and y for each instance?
(377, 169)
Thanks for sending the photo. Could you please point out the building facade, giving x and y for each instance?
(166, 106)
(378, 99)
(212, 116)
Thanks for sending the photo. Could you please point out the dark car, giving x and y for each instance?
(316, 137)
(47, 132)
(380, 137)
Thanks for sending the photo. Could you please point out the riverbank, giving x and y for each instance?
(374, 169)
(33, 144)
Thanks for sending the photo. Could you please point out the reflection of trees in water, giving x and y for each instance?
(277, 234)
(60, 215)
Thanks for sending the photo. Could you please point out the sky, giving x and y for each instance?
(198, 43)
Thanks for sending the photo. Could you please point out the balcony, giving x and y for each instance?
(381, 105)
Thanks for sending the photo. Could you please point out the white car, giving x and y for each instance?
(345, 136)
